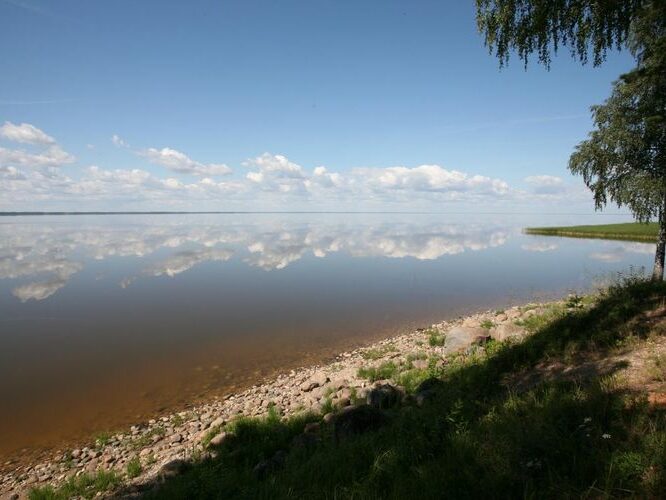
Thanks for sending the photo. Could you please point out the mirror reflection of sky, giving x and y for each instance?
(41, 256)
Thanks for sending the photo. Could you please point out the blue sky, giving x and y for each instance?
(234, 105)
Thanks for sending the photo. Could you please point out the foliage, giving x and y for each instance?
(435, 337)
(632, 231)
(133, 467)
(543, 26)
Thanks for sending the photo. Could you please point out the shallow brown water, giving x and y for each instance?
(109, 320)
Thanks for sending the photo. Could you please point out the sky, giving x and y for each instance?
(289, 105)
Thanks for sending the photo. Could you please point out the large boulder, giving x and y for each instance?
(507, 331)
(172, 468)
(383, 396)
(427, 390)
(460, 338)
(357, 420)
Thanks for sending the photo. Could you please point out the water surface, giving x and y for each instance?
(109, 319)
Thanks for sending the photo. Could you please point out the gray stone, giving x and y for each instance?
(384, 396)
(218, 422)
(460, 338)
(219, 439)
(357, 420)
(312, 428)
(173, 468)
(507, 331)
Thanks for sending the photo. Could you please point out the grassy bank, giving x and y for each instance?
(556, 415)
(632, 231)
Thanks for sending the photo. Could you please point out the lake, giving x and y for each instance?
(107, 320)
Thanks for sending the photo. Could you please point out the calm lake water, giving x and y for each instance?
(108, 319)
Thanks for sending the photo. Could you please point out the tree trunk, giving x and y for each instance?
(658, 272)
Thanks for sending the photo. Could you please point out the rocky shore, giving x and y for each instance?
(160, 447)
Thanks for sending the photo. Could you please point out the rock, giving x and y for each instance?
(305, 441)
(172, 469)
(507, 331)
(513, 313)
(357, 420)
(342, 402)
(176, 438)
(501, 317)
(218, 422)
(460, 338)
(471, 322)
(427, 391)
(317, 380)
(218, 439)
(312, 428)
(383, 396)
(328, 418)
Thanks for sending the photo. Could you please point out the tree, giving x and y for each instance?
(624, 158)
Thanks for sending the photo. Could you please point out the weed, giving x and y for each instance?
(133, 467)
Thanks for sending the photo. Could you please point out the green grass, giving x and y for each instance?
(133, 467)
(435, 337)
(378, 353)
(83, 486)
(487, 324)
(387, 370)
(633, 231)
(476, 438)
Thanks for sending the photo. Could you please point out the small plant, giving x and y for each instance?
(133, 467)
(326, 406)
(103, 439)
(384, 371)
(177, 420)
(574, 301)
(487, 324)
(435, 338)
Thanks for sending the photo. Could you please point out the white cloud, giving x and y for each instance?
(181, 163)
(433, 178)
(25, 134)
(51, 154)
(119, 141)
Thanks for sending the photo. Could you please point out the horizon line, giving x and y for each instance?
(239, 212)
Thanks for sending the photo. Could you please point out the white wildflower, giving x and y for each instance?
(606, 436)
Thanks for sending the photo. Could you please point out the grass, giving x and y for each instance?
(379, 352)
(487, 324)
(133, 467)
(435, 337)
(632, 231)
(83, 486)
(384, 371)
(476, 438)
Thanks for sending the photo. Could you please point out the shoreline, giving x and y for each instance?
(318, 388)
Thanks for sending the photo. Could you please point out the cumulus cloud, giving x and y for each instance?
(181, 163)
(431, 178)
(25, 134)
(45, 153)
